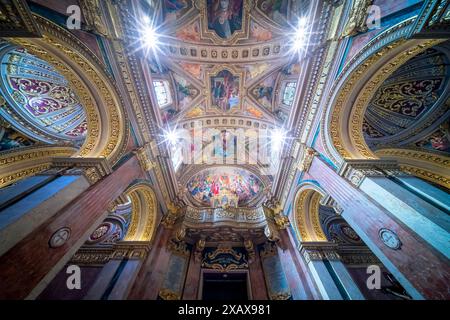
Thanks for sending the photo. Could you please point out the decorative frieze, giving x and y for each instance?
(93, 168)
(92, 256)
(307, 158)
(131, 250)
(312, 251)
(356, 170)
(232, 216)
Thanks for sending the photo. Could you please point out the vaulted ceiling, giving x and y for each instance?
(222, 65)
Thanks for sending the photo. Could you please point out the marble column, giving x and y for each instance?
(131, 255)
(31, 202)
(331, 275)
(152, 272)
(30, 265)
(420, 206)
(420, 269)
(103, 280)
(119, 273)
(192, 282)
(300, 281)
(257, 282)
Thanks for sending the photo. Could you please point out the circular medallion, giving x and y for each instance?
(99, 232)
(59, 238)
(350, 233)
(390, 238)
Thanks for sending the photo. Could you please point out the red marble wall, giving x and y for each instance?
(28, 262)
(149, 279)
(59, 6)
(426, 269)
(360, 276)
(57, 289)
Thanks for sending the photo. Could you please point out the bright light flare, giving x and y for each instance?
(278, 139)
(299, 36)
(172, 137)
(149, 37)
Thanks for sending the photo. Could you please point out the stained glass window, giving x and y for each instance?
(162, 92)
(289, 93)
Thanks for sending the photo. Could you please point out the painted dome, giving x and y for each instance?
(38, 100)
(221, 186)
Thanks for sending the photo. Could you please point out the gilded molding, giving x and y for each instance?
(432, 158)
(92, 256)
(93, 16)
(307, 216)
(20, 163)
(93, 168)
(349, 77)
(367, 92)
(314, 216)
(314, 251)
(74, 51)
(167, 294)
(136, 250)
(307, 158)
(427, 175)
(357, 18)
(356, 170)
(144, 213)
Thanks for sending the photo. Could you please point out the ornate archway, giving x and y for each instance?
(306, 213)
(144, 213)
(359, 84)
(107, 125)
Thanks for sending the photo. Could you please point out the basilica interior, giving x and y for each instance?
(224, 149)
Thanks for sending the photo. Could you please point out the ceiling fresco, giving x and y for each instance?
(223, 58)
(224, 186)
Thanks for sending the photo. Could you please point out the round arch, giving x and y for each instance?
(357, 84)
(144, 212)
(106, 117)
(306, 213)
(352, 93)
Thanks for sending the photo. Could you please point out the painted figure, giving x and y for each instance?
(173, 9)
(225, 17)
(10, 139)
(275, 9)
(211, 185)
(225, 90)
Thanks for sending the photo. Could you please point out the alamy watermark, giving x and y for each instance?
(74, 279)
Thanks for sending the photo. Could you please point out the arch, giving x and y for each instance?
(306, 213)
(426, 165)
(357, 84)
(352, 93)
(106, 117)
(144, 212)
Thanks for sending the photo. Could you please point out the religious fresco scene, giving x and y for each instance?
(224, 150)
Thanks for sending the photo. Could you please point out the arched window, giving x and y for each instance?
(162, 92)
(289, 93)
